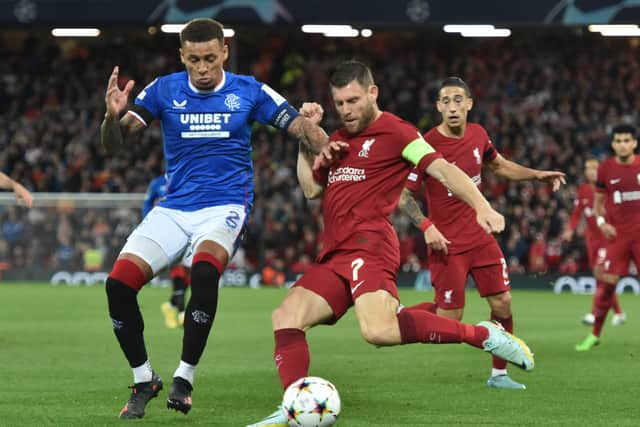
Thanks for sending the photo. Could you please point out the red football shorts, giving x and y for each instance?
(486, 264)
(596, 251)
(344, 275)
(619, 252)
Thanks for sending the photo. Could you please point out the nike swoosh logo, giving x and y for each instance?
(615, 181)
(355, 288)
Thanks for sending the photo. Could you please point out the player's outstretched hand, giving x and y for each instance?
(567, 235)
(609, 231)
(115, 99)
(22, 194)
(555, 178)
(329, 154)
(490, 220)
(312, 111)
(435, 240)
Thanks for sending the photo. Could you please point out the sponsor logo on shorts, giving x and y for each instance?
(355, 288)
(447, 296)
(232, 219)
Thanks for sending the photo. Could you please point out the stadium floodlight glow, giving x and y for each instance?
(612, 27)
(350, 32)
(176, 28)
(495, 32)
(75, 32)
(171, 28)
(366, 32)
(321, 29)
(460, 28)
(621, 33)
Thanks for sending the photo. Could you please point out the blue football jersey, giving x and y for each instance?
(156, 191)
(207, 136)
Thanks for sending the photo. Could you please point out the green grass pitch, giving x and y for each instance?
(61, 365)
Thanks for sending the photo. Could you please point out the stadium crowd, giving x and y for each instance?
(540, 108)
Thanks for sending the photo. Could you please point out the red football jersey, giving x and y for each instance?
(620, 185)
(454, 218)
(584, 204)
(363, 185)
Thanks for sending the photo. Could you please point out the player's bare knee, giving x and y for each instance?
(500, 304)
(285, 317)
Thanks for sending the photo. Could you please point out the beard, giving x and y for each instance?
(366, 118)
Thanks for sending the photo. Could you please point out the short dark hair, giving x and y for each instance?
(348, 71)
(624, 129)
(457, 82)
(202, 30)
(591, 158)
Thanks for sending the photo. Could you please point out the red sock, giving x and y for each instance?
(291, 355)
(615, 305)
(596, 295)
(431, 307)
(425, 327)
(604, 299)
(507, 324)
(129, 273)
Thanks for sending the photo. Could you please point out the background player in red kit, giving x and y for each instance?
(594, 239)
(457, 244)
(361, 180)
(617, 188)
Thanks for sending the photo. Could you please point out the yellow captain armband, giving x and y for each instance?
(416, 150)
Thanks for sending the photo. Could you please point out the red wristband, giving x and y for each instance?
(424, 224)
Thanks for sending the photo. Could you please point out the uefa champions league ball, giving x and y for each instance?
(311, 402)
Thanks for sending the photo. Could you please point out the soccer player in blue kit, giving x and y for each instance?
(206, 115)
(172, 310)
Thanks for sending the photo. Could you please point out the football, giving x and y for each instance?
(311, 402)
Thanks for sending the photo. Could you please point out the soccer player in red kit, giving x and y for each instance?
(617, 189)
(594, 239)
(457, 245)
(361, 175)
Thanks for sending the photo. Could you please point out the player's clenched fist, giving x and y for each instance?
(490, 220)
(312, 111)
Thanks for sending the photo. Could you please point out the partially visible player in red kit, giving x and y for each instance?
(594, 239)
(457, 245)
(361, 175)
(617, 189)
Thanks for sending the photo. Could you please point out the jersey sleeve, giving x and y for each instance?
(146, 105)
(576, 213)
(272, 108)
(413, 180)
(601, 179)
(490, 152)
(420, 153)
